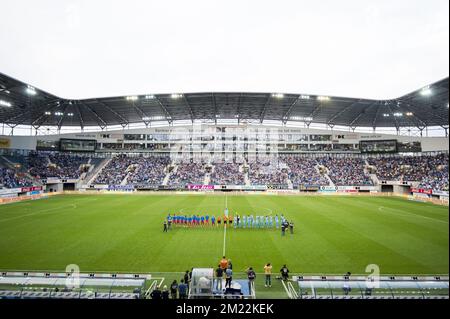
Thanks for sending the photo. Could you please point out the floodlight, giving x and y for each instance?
(176, 96)
(305, 97)
(31, 90)
(278, 95)
(323, 98)
(426, 91)
(5, 103)
(132, 98)
(150, 97)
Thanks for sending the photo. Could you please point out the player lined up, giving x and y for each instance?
(237, 221)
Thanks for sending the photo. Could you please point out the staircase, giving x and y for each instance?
(125, 180)
(93, 173)
(289, 183)
(247, 180)
(168, 174)
(326, 175)
(207, 179)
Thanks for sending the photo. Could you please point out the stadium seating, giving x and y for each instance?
(227, 174)
(346, 171)
(150, 172)
(303, 171)
(282, 171)
(9, 178)
(268, 172)
(430, 170)
(58, 165)
(187, 173)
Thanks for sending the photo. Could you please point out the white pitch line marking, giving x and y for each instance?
(225, 229)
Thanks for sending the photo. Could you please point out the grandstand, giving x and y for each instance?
(195, 153)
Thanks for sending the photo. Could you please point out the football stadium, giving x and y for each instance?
(246, 183)
(215, 152)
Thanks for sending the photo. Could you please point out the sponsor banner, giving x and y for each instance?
(421, 191)
(30, 189)
(34, 193)
(308, 188)
(11, 195)
(440, 193)
(120, 187)
(327, 189)
(195, 186)
(99, 186)
(367, 188)
(347, 190)
(5, 191)
(56, 180)
(241, 187)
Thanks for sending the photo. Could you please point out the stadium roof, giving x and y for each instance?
(21, 104)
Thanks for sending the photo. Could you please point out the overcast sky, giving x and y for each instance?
(355, 48)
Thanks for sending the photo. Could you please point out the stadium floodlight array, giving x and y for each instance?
(301, 118)
(30, 90)
(5, 103)
(426, 91)
(323, 98)
(153, 118)
(132, 98)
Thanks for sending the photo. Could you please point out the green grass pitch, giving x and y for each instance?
(123, 233)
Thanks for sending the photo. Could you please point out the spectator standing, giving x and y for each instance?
(268, 274)
(182, 289)
(228, 277)
(224, 263)
(165, 293)
(251, 275)
(174, 289)
(156, 294)
(219, 276)
(284, 272)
